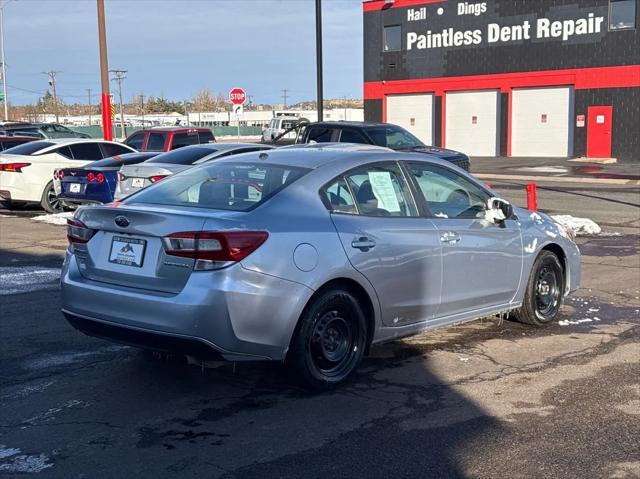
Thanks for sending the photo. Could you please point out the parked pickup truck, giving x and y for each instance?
(381, 134)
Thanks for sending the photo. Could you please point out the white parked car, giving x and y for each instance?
(26, 171)
(279, 125)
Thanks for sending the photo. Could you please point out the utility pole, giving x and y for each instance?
(120, 75)
(319, 99)
(89, 93)
(284, 96)
(4, 67)
(52, 83)
(107, 130)
(186, 112)
(142, 107)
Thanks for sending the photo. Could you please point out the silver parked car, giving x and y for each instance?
(310, 256)
(132, 178)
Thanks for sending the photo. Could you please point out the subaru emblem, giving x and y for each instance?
(122, 221)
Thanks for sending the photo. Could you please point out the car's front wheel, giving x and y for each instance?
(329, 341)
(545, 289)
(50, 202)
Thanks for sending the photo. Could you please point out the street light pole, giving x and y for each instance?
(107, 131)
(4, 68)
(320, 99)
(89, 93)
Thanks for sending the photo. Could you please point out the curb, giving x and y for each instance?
(560, 179)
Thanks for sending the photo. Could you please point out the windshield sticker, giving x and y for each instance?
(383, 190)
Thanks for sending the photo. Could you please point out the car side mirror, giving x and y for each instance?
(498, 210)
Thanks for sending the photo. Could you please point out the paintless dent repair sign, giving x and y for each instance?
(422, 34)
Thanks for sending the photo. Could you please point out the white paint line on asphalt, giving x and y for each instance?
(27, 279)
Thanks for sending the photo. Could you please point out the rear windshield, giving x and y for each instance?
(221, 186)
(183, 156)
(119, 160)
(28, 148)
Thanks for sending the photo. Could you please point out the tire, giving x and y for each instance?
(545, 291)
(49, 202)
(329, 340)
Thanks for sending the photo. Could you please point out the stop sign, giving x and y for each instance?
(237, 96)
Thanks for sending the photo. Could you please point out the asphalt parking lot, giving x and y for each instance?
(490, 398)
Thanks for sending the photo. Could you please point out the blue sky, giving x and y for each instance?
(176, 47)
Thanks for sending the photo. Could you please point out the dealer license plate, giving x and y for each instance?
(127, 251)
(74, 188)
(137, 182)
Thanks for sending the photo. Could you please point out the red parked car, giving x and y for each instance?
(7, 142)
(167, 139)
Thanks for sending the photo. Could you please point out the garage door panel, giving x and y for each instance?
(473, 122)
(414, 113)
(540, 122)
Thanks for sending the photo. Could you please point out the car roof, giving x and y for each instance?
(316, 155)
(19, 138)
(356, 124)
(173, 129)
(58, 142)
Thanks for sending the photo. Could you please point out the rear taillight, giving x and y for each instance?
(95, 177)
(58, 174)
(213, 249)
(77, 232)
(155, 179)
(13, 167)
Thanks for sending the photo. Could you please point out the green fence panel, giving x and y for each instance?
(96, 131)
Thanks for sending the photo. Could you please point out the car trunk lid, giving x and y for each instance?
(127, 250)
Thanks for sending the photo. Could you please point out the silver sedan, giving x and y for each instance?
(310, 256)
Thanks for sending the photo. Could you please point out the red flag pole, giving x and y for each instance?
(107, 130)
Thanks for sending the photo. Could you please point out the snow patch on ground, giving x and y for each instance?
(53, 360)
(27, 279)
(12, 461)
(567, 322)
(59, 219)
(580, 226)
(545, 169)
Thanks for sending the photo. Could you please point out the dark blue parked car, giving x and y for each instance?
(95, 182)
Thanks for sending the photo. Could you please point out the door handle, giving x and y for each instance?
(363, 243)
(450, 237)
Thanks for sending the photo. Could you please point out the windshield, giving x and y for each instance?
(183, 156)
(28, 148)
(393, 137)
(221, 186)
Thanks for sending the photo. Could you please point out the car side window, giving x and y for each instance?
(86, 151)
(156, 141)
(338, 197)
(352, 136)
(448, 194)
(184, 139)
(319, 135)
(136, 141)
(112, 150)
(205, 137)
(381, 190)
(65, 151)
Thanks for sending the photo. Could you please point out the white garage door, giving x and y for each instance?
(540, 122)
(414, 113)
(473, 122)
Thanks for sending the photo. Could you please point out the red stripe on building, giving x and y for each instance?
(382, 4)
(580, 78)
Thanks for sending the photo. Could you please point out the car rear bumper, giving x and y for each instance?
(14, 186)
(237, 313)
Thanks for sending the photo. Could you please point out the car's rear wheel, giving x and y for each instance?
(50, 202)
(543, 297)
(329, 341)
